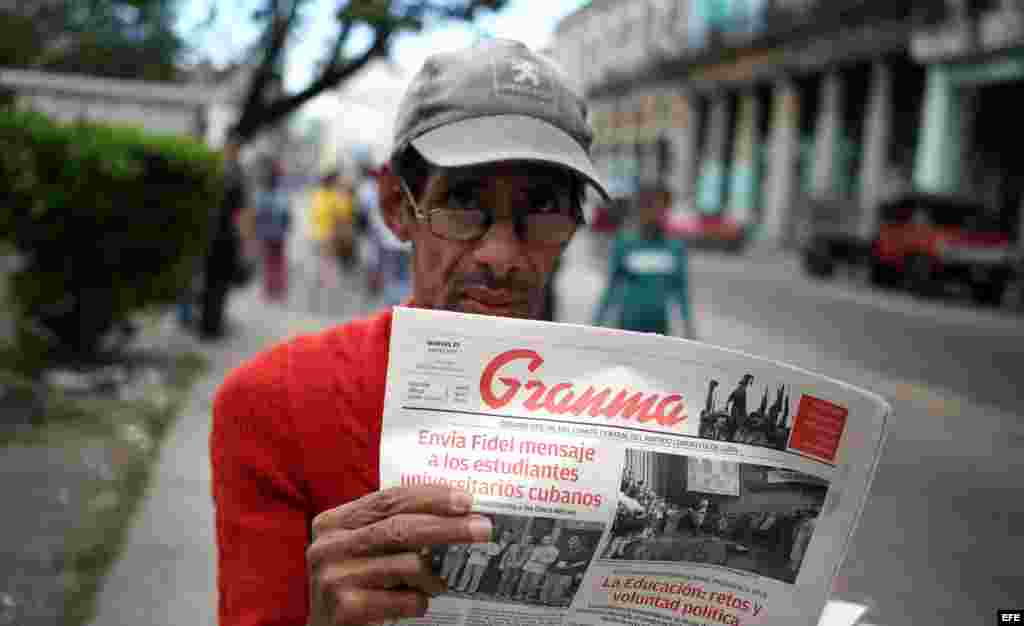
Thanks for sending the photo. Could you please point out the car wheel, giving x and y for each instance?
(818, 265)
(989, 293)
(920, 276)
(883, 275)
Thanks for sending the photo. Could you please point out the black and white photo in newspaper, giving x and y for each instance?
(629, 477)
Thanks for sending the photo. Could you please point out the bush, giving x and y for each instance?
(109, 220)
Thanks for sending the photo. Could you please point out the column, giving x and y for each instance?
(828, 134)
(618, 169)
(682, 134)
(745, 182)
(877, 136)
(784, 155)
(937, 162)
(711, 181)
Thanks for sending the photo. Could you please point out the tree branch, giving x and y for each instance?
(276, 34)
(329, 78)
(339, 44)
(383, 17)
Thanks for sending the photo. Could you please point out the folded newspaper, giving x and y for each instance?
(631, 478)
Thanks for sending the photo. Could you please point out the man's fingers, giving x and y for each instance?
(408, 570)
(373, 606)
(401, 533)
(372, 508)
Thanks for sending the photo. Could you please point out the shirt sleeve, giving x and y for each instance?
(262, 511)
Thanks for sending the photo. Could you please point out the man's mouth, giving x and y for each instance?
(493, 301)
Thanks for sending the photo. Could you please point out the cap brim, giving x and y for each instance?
(494, 138)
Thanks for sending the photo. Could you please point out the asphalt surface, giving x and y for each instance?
(942, 535)
(940, 540)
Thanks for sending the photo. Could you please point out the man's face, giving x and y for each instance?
(574, 543)
(548, 540)
(498, 274)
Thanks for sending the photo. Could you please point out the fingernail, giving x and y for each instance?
(461, 502)
(480, 529)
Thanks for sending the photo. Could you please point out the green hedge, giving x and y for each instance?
(109, 220)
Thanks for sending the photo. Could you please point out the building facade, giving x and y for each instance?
(974, 59)
(753, 108)
(204, 108)
(159, 107)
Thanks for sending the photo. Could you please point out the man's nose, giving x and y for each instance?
(501, 249)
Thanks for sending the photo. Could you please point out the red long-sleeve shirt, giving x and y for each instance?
(296, 431)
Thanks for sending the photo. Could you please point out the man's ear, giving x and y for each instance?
(393, 206)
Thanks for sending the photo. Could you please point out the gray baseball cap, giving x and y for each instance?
(495, 101)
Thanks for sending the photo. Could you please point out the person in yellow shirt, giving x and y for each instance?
(331, 228)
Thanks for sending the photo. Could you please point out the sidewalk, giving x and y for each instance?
(166, 574)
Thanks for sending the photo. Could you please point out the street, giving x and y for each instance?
(938, 540)
(946, 507)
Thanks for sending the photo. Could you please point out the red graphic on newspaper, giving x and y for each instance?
(818, 428)
(565, 398)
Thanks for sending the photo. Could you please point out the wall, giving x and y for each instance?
(154, 116)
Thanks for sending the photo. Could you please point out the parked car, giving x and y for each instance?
(827, 234)
(925, 240)
(606, 216)
(710, 231)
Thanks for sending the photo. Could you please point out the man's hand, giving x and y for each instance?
(367, 562)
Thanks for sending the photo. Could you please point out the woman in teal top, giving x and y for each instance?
(646, 272)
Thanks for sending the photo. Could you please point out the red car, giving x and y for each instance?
(926, 240)
(718, 231)
(606, 217)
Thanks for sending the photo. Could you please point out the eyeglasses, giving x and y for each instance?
(464, 222)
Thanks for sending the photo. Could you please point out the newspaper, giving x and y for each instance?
(631, 478)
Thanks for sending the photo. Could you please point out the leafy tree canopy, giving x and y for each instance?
(111, 38)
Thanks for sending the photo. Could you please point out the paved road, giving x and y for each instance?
(940, 539)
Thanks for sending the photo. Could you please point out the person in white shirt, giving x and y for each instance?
(479, 555)
(536, 568)
(390, 256)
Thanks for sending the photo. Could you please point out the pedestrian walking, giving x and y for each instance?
(331, 229)
(647, 272)
(390, 260)
(273, 222)
(222, 262)
(492, 153)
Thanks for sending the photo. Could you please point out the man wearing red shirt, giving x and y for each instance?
(490, 161)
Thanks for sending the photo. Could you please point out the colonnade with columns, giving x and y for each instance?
(752, 152)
